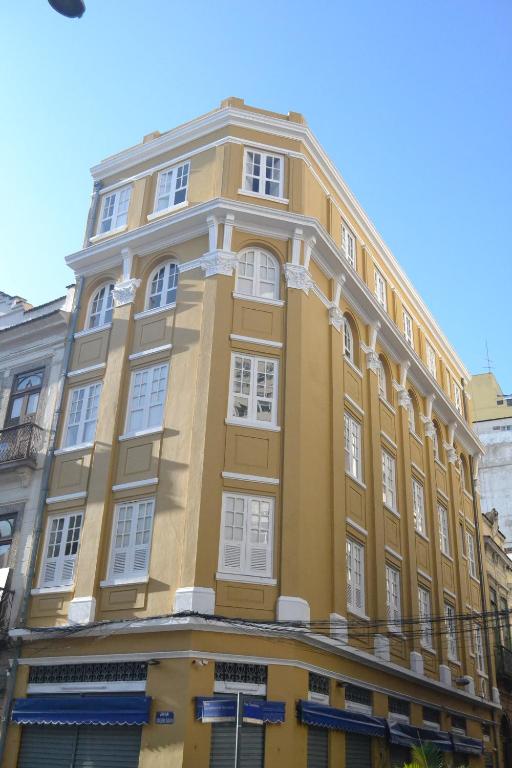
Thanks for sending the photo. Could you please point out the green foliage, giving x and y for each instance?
(426, 755)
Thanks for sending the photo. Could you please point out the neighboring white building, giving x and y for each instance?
(32, 342)
(492, 421)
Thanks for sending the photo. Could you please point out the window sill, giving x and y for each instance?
(390, 407)
(124, 582)
(448, 557)
(258, 299)
(73, 448)
(262, 196)
(153, 311)
(141, 433)
(110, 233)
(51, 590)
(393, 511)
(422, 536)
(245, 579)
(440, 464)
(252, 424)
(89, 331)
(166, 211)
(358, 614)
(416, 437)
(454, 661)
(474, 578)
(428, 649)
(356, 480)
(353, 366)
(357, 408)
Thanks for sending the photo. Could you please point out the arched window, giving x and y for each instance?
(437, 442)
(464, 474)
(350, 340)
(100, 310)
(163, 286)
(412, 410)
(257, 274)
(384, 380)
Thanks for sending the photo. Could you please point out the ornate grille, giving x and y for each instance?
(231, 672)
(399, 707)
(19, 443)
(432, 715)
(318, 683)
(89, 673)
(358, 695)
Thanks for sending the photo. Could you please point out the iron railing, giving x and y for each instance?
(20, 443)
(504, 663)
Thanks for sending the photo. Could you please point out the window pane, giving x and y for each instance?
(16, 408)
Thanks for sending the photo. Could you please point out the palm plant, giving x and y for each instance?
(426, 755)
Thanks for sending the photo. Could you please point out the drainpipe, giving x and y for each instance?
(483, 581)
(38, 522)
(93, 212)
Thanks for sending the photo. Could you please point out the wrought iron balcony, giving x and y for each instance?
(20, 444)
(504, 664)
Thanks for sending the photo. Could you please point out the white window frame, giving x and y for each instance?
(348, 341)
(411, 416)
(444, 529)
(388, 480)
(382, 381)
(479, 649)
(451, 632)
(146, 404)
(91, 392)
(425, 614)
(64, 564)
(431, 360)
(470, 553)
(118, 219)
(262, 178)
(457, 397)
(393, 599)
(170, 280)
(252, 397)
(381, 289)
(181, 170)
(262, 260)
(408, 328)
(356, 601)
(136, 554)
(353, 446)
(418, 505)
(349, 245)
(106, 308)
(241, 557)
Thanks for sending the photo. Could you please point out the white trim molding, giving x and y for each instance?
(89, 369)
(250, 478)
(135, 484)
(147, 352)
(90, 331)
(66, 497)
(195, 600)
(253, 340)
(292, 609)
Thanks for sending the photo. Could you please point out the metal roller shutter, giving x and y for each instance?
(318, 747)
(399, 755)
(108, 746)
(251, 748)
(222, 747)
(44, 745)
(358, 750)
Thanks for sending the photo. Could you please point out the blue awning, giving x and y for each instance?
(467, 746)
(215, 710)
(260, 712)
(322, 716)
(405, 735)
(82, 710)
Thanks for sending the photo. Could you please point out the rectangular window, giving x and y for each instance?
(348, 244)
(431, 716)
(418, 505)
(61, 548)
(247, 534)
(147, 397)
(114, 210)
(131, 540)
(457, 397)
(82, 414)
(355, 577)
(172, 187)
(470, 552)
(381, 290)
(393, 601)
(479, 649)
(388, 480)
(425, 616)
(399, 707)
(451, 631)
(253, 390)
(353, 447)
(459, 724)
(263, 173)
(408, 329)
(444, 539)
(431, 361)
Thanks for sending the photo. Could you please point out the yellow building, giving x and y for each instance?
(262, 503)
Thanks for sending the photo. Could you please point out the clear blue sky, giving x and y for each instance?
(412, 100)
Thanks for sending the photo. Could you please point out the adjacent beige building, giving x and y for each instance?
(261, 506)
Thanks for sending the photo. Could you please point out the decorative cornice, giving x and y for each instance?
(336, 318)
(219, 263)
(124, 291)
(372, 361)
(297, 276)
(404, 399)
(451, 453)
(430, 430)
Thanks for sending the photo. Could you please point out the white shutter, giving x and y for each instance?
(62, 542)
(141, 537)
(355, 576)
(259, 537)
(350, 574)
(131, 540)
(233, 534)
